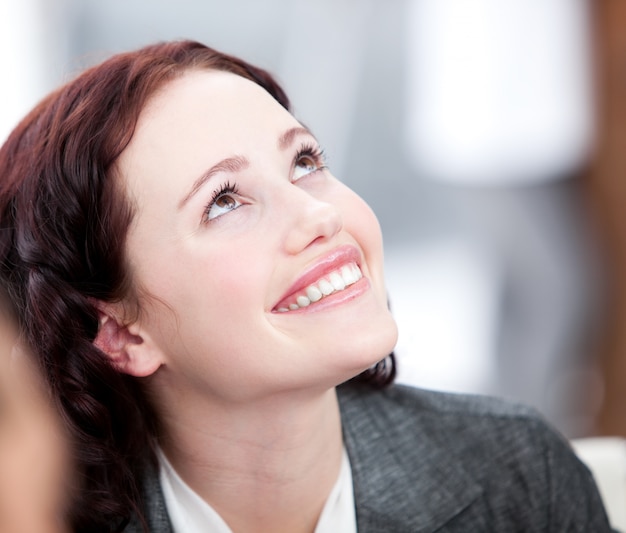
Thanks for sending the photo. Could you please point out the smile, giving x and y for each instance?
(336, 281)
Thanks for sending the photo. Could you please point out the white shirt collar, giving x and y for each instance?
(189, 513)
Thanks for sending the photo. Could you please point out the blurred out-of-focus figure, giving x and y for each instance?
(34, 452)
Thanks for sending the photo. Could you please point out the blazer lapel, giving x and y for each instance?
(402, 479)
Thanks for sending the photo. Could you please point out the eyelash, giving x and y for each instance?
(316, 153)
(226, 188)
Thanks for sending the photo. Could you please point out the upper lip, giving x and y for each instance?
(326, 264)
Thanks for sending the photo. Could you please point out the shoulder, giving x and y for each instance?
(514, 465)
(425, 408)
(478, 430)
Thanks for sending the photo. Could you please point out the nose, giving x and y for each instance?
(312, 220)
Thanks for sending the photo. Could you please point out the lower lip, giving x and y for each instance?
(336, 298)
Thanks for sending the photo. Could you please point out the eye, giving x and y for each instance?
(309, 159)
(224, 201)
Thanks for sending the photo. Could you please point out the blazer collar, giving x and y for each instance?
(402, 478)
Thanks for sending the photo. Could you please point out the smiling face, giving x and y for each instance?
(264, 273)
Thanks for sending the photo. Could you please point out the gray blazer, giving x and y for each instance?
(425, 461)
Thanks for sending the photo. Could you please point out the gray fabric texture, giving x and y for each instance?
(426, 461)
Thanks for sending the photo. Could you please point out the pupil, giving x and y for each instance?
(225, 201)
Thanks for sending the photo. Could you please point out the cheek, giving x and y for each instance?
(212, 294)
(368, 225)
(361, 222)
(229, 274)
(356, 212)
(217, 334)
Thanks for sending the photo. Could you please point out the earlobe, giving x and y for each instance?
(130, 352)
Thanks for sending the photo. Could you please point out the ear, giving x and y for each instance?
(130, 349)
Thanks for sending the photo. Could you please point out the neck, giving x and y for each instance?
(268, 465)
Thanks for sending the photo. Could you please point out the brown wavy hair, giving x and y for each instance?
(63, 226)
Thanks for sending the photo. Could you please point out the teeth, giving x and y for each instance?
(348, 275)
(337, 281)
(326, 287)
(334, 282)
(313, 293)
(303, 301)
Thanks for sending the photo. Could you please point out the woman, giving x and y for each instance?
(199, 286)
(35, 466)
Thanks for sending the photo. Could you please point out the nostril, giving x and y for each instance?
(318, 239)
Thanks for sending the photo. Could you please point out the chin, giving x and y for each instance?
(371, 346)
(381, 337)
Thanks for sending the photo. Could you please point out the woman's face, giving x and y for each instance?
(264, 272)
(34, 454)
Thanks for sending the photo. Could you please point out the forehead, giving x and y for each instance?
(212, 113)
(213, 99)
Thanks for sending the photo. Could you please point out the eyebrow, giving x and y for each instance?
(230, 164)
(287, 138)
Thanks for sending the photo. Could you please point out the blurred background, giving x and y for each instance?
(488, 137)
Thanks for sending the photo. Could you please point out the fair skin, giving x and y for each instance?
(34, 451)
(244, 384)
